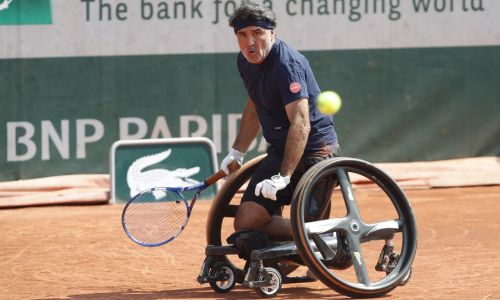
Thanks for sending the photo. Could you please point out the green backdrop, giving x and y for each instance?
(398, 104)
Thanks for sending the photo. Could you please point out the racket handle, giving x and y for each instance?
(233, 166)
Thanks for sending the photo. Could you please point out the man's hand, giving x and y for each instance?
(232, 155)
(269, 187)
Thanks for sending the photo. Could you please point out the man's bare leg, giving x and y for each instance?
(251, 215)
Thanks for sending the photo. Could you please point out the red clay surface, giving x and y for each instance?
(81, 252)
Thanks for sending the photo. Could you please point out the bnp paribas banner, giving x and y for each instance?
(418, 78)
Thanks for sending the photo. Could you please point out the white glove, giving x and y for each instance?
(269, 187)
(232, 155)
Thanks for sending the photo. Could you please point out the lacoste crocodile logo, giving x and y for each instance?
(139, 180)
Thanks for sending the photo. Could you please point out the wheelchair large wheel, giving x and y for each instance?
(224, 207)
(365, 222)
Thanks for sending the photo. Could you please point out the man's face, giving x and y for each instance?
(255, 43)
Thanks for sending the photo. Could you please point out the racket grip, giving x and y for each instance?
(233, 166)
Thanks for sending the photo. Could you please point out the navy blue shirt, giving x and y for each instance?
(284, 77)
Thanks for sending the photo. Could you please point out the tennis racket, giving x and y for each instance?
(157, 216)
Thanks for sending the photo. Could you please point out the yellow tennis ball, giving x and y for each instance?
(329, 103)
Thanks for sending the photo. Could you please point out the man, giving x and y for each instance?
(282, 94)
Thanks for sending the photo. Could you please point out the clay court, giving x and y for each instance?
(81, 252)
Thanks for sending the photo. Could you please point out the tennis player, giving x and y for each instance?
(282, 94)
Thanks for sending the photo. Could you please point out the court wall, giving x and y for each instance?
(418, 78)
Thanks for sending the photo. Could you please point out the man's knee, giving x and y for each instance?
(251, 215)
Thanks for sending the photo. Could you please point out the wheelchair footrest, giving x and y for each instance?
(220, 250)
(275, 251)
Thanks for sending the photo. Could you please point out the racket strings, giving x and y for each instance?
(156, 217)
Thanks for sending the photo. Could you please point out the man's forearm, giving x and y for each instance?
(295, 144)
(249, 128)
(296, 140)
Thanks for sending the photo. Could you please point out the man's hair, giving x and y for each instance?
(252, 12)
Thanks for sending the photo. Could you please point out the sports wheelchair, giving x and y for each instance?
(358, 242)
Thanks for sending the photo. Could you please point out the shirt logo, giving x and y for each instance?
(295, 87)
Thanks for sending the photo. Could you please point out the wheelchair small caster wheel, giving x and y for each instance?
(222, 277)
(275, 282)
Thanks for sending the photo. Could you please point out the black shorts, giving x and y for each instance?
(271, 166)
